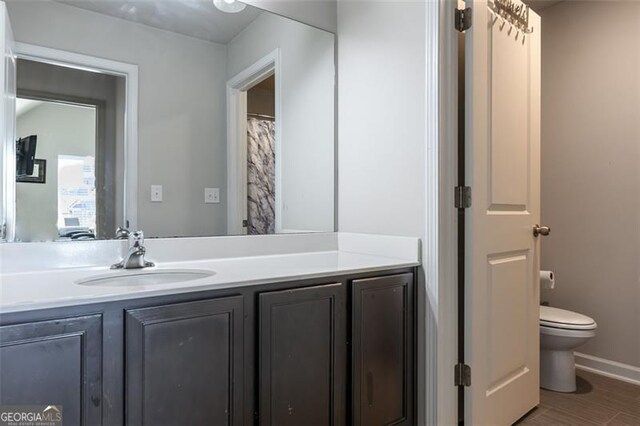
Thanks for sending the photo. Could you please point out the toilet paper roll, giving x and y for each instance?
(547, 279)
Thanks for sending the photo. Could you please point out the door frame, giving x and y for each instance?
(237, 88)
(438, 307)
(440, 251)
(64, 58)
(7, 127)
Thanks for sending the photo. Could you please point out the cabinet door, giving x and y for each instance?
(302, 345)
(184, 363)
(57, 362)
(383, 351)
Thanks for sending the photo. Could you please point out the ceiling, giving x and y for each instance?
(193, 18)
(538, 5)
(268, 83)
(25, 105)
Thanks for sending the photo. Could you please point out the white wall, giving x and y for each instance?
(307, 121)
(591, 168)
(319, 13)
(181, 127)
(381, 113)
(61, 130)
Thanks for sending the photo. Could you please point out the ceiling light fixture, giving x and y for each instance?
(229, 6)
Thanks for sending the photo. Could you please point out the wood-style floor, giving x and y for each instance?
(599, 400)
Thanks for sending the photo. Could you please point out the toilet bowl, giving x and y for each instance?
(561, 331)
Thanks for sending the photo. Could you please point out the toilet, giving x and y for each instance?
(561, 331)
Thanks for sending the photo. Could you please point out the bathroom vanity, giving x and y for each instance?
(183, 119)
(288, 339)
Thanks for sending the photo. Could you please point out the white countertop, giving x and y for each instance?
(30, 289)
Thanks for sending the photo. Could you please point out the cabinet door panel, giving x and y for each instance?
(184, 363)
(303, 356)
(57, 362)
(383, 351)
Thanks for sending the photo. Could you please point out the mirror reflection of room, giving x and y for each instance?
(73, 117)
(199, 127)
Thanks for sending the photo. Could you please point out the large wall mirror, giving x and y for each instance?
(177, 117)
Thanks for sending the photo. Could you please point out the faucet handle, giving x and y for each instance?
(136, 239)
(122, 233)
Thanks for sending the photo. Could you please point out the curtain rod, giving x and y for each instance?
(253, 114)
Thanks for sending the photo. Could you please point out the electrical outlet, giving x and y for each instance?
(156, 193)
(212, 195)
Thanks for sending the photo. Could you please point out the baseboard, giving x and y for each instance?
(616, 370)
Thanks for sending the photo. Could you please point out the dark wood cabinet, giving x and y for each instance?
(320, 352)
(382, 359)
(302, 356)
(57, 362)
(184, 363)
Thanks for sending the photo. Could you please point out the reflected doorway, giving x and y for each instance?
(261, 158)
(76, 118)
(59, 199)
(254, 149)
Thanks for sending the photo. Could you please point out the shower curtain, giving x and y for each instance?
(261, 177)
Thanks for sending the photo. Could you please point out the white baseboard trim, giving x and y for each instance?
(615, 370)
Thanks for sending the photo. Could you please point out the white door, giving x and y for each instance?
(7, 125)
(502, 254)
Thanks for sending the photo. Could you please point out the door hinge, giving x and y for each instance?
(463, 197)
(3, 231)
(463, 19)
(462, 375)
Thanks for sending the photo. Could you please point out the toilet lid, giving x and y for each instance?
(561, 318)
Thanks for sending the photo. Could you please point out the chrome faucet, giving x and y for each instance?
(122, 233)
(134, 259)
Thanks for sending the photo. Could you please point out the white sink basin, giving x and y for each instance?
(141, 277)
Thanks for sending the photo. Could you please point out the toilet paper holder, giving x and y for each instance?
(547, 280)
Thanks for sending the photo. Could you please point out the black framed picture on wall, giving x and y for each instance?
(39, 174)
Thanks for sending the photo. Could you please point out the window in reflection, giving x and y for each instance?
(76, 196)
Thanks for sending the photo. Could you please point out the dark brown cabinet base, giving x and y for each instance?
(382, 319)
(56, 362)
(184, 363)
(302, 351)
(334, 351)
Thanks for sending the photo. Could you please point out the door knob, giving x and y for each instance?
(541, 230)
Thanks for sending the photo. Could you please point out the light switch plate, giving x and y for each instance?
(156, 193)
(212, 195)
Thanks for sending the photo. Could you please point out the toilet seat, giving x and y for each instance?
(565, 320)
(566, 332)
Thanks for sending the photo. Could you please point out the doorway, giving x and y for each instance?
(589, 180)
(58, 199)
(261, 158)
(254, 120)
(583, 113)
(78, 117)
